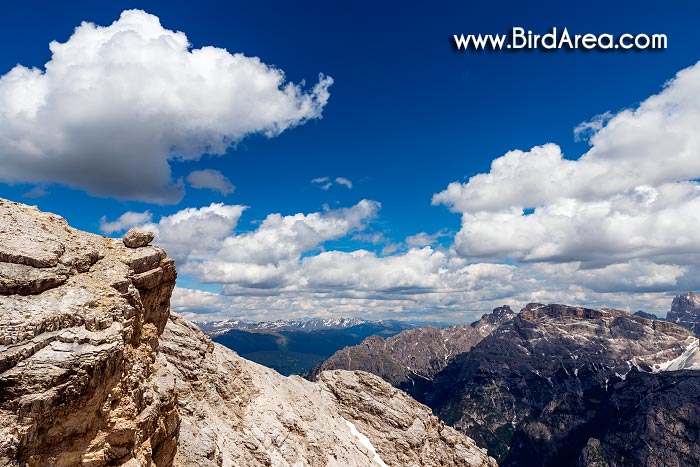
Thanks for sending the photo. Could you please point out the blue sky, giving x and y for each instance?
(407, 115)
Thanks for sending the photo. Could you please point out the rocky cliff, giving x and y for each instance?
(94, 371)
(685, 311)
(79, 328)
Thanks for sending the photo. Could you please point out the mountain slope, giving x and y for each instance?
(532, 390)
(406, 358)
(256, 417)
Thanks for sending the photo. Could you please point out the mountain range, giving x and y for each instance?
(555, 384)
(296, 346)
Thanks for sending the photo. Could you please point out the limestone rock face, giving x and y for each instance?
(79, 325)
(237, 413)
(94, 371)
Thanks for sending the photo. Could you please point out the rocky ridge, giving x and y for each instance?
(413, 357)
(405, 359)
(490, 321)
(256, 417)
(643, 314)
(94, 371)
(560, 385)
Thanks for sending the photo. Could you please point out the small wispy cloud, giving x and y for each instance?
(344, 181)
(210, 180)
(36, 192)
(325, 183)
(585, 130)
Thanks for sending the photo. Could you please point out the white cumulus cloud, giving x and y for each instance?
(633, 195)
(115, 105)
(617, 227)
(269, 256)
(196, 231)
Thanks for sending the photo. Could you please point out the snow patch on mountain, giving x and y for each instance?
(688, 360)
(364, 441)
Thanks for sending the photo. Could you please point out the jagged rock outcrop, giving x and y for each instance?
(236, 412)
(81, 316)
(685, 311)
(536, 389)
(94, 371)
(405, 359)
(490, 321)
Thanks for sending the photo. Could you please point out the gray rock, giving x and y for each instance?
(78, 335)
(489, 322)
(137, 237)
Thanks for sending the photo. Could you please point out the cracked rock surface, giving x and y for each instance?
(79, 325)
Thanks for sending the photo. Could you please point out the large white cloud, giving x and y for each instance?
(362, 270)
(651, 145)
(196, 232)
(280, 270)
(269, 256)
(633, 195)
(116, 104)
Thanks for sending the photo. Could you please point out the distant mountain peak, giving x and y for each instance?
(685, 311)
(491, 321)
